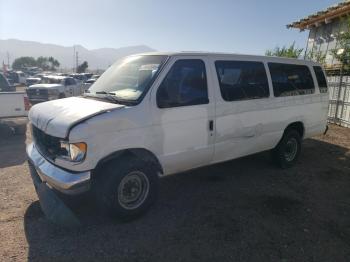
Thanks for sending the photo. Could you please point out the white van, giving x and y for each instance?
(152, 115)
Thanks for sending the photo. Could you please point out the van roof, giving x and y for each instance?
(236, 56)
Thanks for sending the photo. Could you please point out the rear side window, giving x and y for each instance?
(241, 80)
(291, 80)
(184, 85)
(321, 79)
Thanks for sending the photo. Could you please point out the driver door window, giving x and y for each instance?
(184, 85)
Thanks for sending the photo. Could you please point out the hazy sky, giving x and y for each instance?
(243, 26)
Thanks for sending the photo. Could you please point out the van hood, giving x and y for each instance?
(56, 117)
(43, 86)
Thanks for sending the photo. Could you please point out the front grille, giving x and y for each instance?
(38, 93)
(48, 145)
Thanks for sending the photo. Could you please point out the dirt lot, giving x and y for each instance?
(243, 210)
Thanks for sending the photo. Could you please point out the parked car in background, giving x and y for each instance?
(31, 71)
(79, 77)
(88, 84)
(16, 77)
(53, 87)
(32, 81)
(95, 77)
(87, 75)
(5, 86)
(158, 114)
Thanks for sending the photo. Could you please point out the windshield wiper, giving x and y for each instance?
(111, 97)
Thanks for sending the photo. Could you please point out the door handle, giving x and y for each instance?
(211, 125)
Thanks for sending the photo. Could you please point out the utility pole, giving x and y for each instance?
(77, 61)
(73, 69)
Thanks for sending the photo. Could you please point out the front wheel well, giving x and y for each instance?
(140, 153)
(298, 126)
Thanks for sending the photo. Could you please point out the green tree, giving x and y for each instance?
(284, 51)
(47, 63)
(316, 56)
(22, 62)
(342, 52)
(54, 63)
(42, 63)
(82, 67)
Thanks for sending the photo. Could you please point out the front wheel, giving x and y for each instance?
(127, 188)
(287, 152)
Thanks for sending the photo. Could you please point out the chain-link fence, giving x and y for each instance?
(339, 100)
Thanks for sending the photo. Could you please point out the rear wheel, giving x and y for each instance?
(61, 95)
(127, 188)
(287, 152)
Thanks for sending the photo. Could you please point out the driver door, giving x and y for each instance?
(183, 111)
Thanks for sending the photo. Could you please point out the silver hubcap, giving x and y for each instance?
(291, 149)
(133, 190)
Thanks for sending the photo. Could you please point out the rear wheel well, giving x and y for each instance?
(139, 153)
(298, 126)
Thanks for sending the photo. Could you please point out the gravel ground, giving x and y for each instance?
(242, 210)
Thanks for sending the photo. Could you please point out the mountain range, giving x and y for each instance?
(97, 58)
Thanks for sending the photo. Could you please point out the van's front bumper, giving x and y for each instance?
(71, 183)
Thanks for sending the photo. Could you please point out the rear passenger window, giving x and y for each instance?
(184, 85)
(321, 79)
(241, 80)
(291, 80)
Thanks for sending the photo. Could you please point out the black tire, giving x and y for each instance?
(111, 184)
(61, 95)
(287, 152)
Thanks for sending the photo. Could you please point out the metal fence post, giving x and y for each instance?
(337, 120)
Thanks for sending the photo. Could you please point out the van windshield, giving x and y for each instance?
(129, 78)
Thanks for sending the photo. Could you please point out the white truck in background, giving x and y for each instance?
(13, 104)
(52, 88)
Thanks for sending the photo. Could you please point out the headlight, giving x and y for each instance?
(74, 152)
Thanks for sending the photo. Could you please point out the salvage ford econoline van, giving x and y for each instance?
(152, 115)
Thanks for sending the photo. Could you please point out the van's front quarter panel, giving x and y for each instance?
(105, 134)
